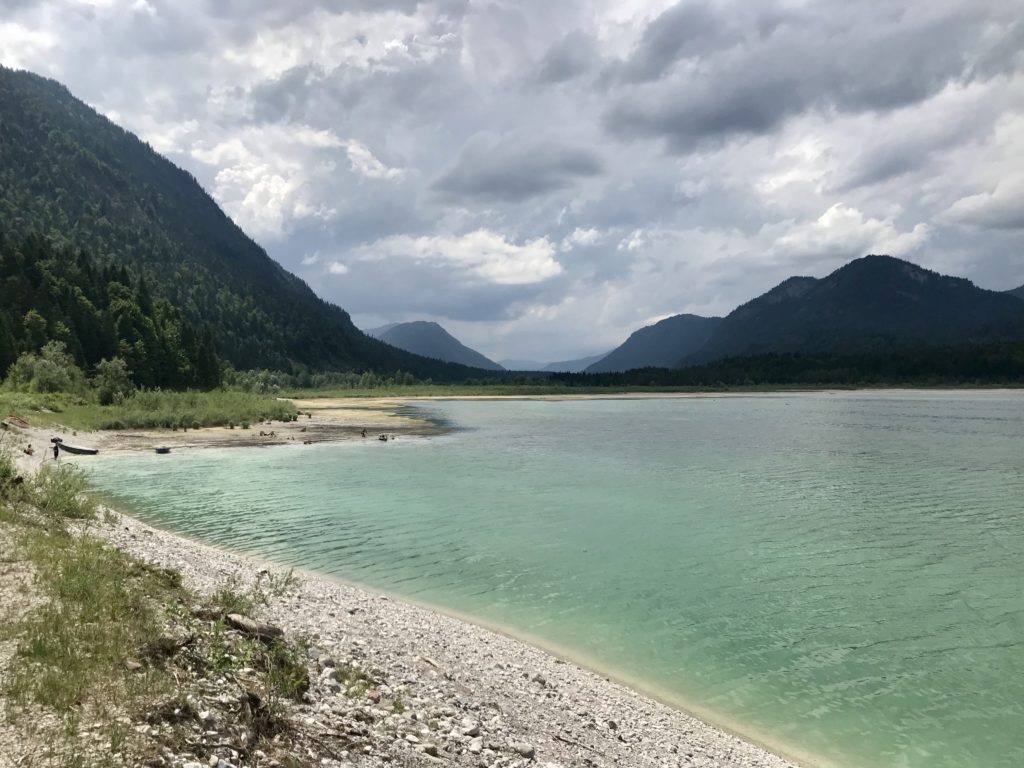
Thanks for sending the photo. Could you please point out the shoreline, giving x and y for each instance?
(566, 711)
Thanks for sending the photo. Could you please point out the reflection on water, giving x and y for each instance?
(840, 572)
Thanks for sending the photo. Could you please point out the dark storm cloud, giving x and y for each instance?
(513, 170)
(686, 30)
(843, 60)
(572, 56)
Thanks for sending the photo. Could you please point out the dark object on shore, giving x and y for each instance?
(257, 629)
(383, 438)
(77, 451)
(162, 449)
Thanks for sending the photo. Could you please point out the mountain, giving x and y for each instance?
(74, 176)
(872, 304)
(431, 340)
(510, 364)
(661, 345)
(574, 366)
(1018, 292)
(570, 366)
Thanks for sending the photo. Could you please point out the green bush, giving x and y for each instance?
(59, 492)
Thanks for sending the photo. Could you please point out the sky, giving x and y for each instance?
(543, 177)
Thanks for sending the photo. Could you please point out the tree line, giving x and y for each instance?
(60, 306)
(964, 364)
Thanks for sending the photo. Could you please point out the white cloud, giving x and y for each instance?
(633, 242)
(580, 236)
(265, 175)
(337, 268)
(21, 47)
(484, 254)
(364, 162)
(1002, 208)
(845, 232)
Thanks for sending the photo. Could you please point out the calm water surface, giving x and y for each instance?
(836, 573)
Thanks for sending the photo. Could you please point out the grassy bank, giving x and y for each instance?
(114, 662)
(147, 410)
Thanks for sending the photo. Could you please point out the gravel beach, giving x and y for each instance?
(468, 696)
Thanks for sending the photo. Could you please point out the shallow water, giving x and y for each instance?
(839, 573)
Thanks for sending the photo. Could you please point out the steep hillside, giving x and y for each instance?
(431, 340)
(872, 304)
(1018, 292)
(661, 345)
(73, 175)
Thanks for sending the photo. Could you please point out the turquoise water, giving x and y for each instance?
(835, 574)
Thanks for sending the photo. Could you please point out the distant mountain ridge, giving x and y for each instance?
(1018, 292)
(662, 345)
(429, 339)
(565, 366)
(872, 304)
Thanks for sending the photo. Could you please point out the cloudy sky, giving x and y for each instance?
(545, 176)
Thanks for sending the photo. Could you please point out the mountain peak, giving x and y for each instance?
(872, 303)
(429, 339)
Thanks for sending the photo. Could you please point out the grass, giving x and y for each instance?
(109, 641)
(148, 410)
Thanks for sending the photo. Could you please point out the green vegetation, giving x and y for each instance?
(147, 409)
(961, 365)
(111, 651)
(62, 313)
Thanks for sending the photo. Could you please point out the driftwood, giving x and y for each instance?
(254, 628)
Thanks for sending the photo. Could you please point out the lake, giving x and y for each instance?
(835, 573)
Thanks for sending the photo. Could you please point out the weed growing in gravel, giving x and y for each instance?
(59, 493)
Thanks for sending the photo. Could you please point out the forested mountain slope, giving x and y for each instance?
(872, 304)
(74, 176)
(97, 313)
(661, 345)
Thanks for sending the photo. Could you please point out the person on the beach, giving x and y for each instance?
(56, 451)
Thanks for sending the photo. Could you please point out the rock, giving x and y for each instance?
(132, 666)
(476, 746)
(521, 748)
(428, 749)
